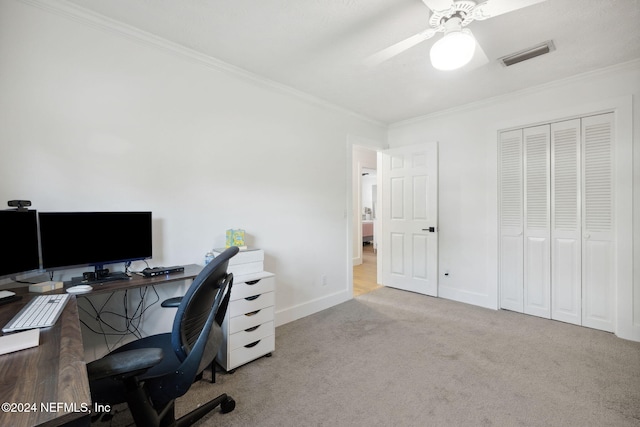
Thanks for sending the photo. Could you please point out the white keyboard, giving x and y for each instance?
(40, 312)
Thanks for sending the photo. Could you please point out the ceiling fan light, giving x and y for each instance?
(454, 50)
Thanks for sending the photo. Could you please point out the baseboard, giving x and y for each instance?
(466, 297)
(305, 309)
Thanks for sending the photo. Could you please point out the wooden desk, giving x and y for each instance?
(52, 373)
(137, 281)
(55, 373)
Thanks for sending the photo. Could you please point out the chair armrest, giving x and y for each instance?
(124, 364)
(171, 302)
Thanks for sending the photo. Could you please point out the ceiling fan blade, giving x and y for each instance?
(438, 4)
(396, 49)
(491, 8)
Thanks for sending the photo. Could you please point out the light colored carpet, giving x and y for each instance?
(394, 358)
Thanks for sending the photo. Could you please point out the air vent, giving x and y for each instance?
(529, 53)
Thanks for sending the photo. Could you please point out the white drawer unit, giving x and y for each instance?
(248, 327)
(247, 261)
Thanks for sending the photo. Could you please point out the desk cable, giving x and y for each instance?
(132, 320)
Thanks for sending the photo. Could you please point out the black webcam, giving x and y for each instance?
(22, 205)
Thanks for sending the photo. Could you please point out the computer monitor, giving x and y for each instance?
(76, 239)
(19, 242)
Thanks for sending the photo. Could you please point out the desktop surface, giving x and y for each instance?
(52, 374)
(135, 281)
(138, 281)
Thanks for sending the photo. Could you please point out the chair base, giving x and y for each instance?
(145, 415)
(227, 404)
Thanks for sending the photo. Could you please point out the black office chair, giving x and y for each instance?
(150, 373)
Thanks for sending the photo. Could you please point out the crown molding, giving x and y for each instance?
(629, 65)
(120, 29)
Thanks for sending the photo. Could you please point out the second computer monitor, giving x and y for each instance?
(74, 239)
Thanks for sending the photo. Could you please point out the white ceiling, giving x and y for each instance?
(318, 46)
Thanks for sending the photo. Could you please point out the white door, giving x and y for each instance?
(409, 247)
(537, 271)
(566, 226)
(511, 242)
(598, 260)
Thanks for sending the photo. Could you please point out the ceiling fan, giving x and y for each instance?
(457, 46)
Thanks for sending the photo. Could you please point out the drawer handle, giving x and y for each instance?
(255, 297)
(252, 329)
(253, 344)
(252, 282)
(253, 313)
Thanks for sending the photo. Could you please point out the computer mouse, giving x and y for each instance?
(79, 289)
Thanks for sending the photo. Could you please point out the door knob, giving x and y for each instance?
(430, 229)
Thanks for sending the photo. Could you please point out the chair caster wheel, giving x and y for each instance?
(227, 405)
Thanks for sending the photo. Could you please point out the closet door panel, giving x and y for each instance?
(566, 241)
(566, 284)
(537, 277)
(598, 289)
(511, 220)
(511, 273)
(598, 249)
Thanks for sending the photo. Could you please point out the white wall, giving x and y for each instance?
(468, 179)
(97, 117)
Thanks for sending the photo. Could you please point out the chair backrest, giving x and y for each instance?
(211, 287)
(196, 336)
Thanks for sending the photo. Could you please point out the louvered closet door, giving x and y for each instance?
(566, 241)
(537, 245)
(597, 225)
(511, 248)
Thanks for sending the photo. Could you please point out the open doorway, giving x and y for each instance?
(405, 219)
(365, 205)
